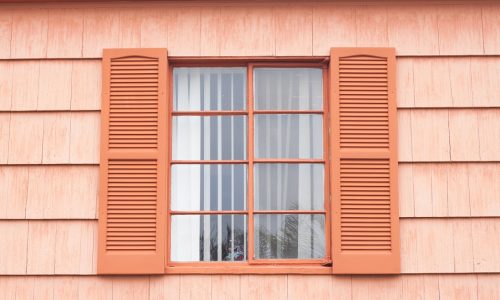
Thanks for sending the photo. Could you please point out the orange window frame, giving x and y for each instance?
(252, 265)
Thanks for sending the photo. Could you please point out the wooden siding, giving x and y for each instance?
(449, 140)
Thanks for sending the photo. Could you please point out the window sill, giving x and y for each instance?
(273, 269)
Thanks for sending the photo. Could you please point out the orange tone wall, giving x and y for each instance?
(448, 74)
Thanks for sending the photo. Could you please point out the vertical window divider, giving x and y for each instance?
(250, 153)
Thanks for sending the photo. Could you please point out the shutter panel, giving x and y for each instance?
(132, 216)
(365, 225)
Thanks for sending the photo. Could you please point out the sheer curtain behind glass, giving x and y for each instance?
(203, 187)
(289, 186)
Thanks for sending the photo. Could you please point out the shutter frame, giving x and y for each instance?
(126, 157)
(360, 149)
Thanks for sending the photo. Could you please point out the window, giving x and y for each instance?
(248, 165)
(248, 174)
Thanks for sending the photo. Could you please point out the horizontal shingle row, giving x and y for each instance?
(76, 31)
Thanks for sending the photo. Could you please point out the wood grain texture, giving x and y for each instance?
(14, 237)
(86, 85)
(460, 29)
(430, 135)
(41, 247)
(182, 22)
(14, 191)
(485, 72)
(247, 31)
(210, 42)
(131, 287)
(484, 244)
(414, 29)
(464, 135)
(65, 33)
(195, 287)
(56, 138)
(4, 137)
(6, 78)
(301, 287)
(100, 30)
(449, 245)
(154, 28)
(54, 85)
(84, 141)
(421, 21)
(491, 27)
(484, 185)
(93, 287)
(487, 286)
(29, 33)
(449, 189)
(130, 27)
(62, 192)
(444, 286)
(225, 287)
(263, 286)
(25, 77)
(458, 287)
(371, 26)
(5, 32)
(161, 287)
(333, 26)
(50, 85)
(405, 87)
(295, 27)
(385, 287)
(448, 82)
(26, 138)
(489, 135)
(431, 78)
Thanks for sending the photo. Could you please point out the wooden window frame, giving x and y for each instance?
(251, 265)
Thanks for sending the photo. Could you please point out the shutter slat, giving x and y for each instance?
(365, 230)
(133, 184)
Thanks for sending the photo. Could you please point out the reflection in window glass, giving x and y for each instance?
(205, 89)
(209, 138)
(208, 187)
(288, 88)
(289, 236)
(288, 186)
(208, 238)
(289, 136)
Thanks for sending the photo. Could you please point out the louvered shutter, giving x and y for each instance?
(133, 162)
(365, 224)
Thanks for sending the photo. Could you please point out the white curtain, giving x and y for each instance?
(207, 187)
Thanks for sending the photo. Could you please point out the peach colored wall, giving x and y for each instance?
(448, 74)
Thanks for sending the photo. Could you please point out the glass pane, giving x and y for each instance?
(289, 136)
(289, 236)
(209, 138)
(289, 186)
(288, 89)
(208, 238)
(202, 89)
(208, 187)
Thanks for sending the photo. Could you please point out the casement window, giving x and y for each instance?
(248, 165)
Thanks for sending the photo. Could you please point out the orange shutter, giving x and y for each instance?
(132, 210)
(365, 225)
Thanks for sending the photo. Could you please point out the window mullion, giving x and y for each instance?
(250, 153)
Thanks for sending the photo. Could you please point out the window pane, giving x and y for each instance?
(209, 138)
(289, 136)
(289, 236)
(208, 187)
(208, 238)
(289, 186)
(202, 89)
(288, 89)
